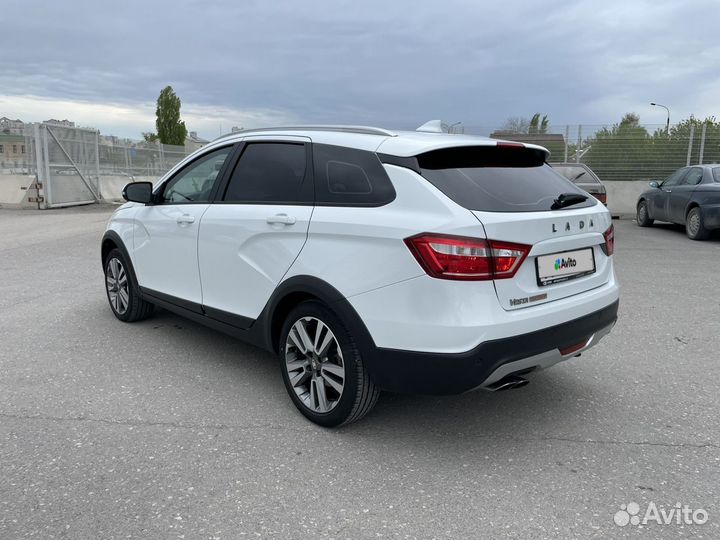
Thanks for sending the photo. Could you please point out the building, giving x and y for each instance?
(61, 123)
(13, 152)
(11, 126)
(193, 142)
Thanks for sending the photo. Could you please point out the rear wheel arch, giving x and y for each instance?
(283, 308)
(693, 204)
(298, 289)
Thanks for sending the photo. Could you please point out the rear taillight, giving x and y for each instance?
(602, 197)
(463, 258)
(609, 246)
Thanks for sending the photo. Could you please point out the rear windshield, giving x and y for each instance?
(578, 175)
(493, 179)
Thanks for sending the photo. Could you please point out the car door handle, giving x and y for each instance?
(284, 219)
(667, 190)
(185, 219)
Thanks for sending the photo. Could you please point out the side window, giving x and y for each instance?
(349, 177)
(269, 173)
(675, 178)
(694, 177)
(194, 183)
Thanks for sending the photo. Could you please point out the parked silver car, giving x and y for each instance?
(582, 176)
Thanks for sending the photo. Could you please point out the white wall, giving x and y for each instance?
(14, 192)
(622, 196)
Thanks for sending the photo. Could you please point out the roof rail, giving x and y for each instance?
(364, 130)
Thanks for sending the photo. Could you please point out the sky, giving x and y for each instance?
(390, 63)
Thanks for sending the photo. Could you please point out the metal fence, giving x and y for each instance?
(622, 152)
(139, 158)
(69, 162)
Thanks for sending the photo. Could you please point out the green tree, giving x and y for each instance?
(544, 124)
(170, 129)
(626, 151)
(521, 125)
(613, 153)
(538, 125)
(149, 136)
(534, 124)
(681, 133)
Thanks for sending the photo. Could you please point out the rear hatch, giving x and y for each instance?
(514, 195)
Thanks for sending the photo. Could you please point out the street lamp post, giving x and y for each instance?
(667, 125)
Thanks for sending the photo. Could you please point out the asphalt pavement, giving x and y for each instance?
(166, 429)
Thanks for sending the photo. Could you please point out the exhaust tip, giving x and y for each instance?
(507, 383)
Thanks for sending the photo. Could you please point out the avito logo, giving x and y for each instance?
(565, 263)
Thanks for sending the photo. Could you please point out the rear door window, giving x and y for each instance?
(694, 177)
(493, 179)
(269, 172)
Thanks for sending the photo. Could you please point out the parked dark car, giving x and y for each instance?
(690, 196)
(583, 177)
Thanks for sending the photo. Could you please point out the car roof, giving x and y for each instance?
(396, 143)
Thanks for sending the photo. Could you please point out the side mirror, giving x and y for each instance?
(140, 192)
(654, 184)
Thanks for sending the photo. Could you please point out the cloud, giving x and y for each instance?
(395, 64)
(130, 120)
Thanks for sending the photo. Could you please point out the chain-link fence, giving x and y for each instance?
(114, 155)
(143, 158)
(625, 151)
(70, 163)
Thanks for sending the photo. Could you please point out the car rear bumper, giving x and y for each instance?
(453, 373)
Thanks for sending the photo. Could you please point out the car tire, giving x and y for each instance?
(694, 226)
(123, 292)
(322, 367)
(643, 217)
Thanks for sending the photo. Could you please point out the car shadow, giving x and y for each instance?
(553, 401)
(680, 230)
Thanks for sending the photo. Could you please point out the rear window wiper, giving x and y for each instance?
(568, 199)
(578, 176)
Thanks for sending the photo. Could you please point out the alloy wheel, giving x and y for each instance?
(116, 282)
(693, 223)
(314, 364)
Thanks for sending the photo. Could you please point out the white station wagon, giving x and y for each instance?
(371, 260)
